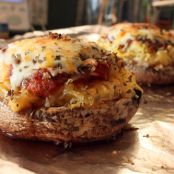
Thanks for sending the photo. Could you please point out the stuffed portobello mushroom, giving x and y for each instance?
(58, 88)
(147, 50)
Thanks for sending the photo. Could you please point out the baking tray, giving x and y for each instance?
(146, 145)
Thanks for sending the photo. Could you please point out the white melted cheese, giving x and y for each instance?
(20, 72)
(114, 34)
(125, 38)
(37, 53)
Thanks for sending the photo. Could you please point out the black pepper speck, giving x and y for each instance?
(58, 57)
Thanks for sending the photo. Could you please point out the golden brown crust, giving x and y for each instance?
(77, 125)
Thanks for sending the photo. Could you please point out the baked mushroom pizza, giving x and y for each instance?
(147, 50)
(57, 88)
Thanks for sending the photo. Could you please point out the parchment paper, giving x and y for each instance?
(146, 145)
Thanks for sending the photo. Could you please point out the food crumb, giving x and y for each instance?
(147, 135)
(164, 167)
(145, 101)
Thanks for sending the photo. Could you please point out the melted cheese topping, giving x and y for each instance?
(60, 55)
(36, 53)
(144, 44)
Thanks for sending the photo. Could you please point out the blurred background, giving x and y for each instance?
(20, 16)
